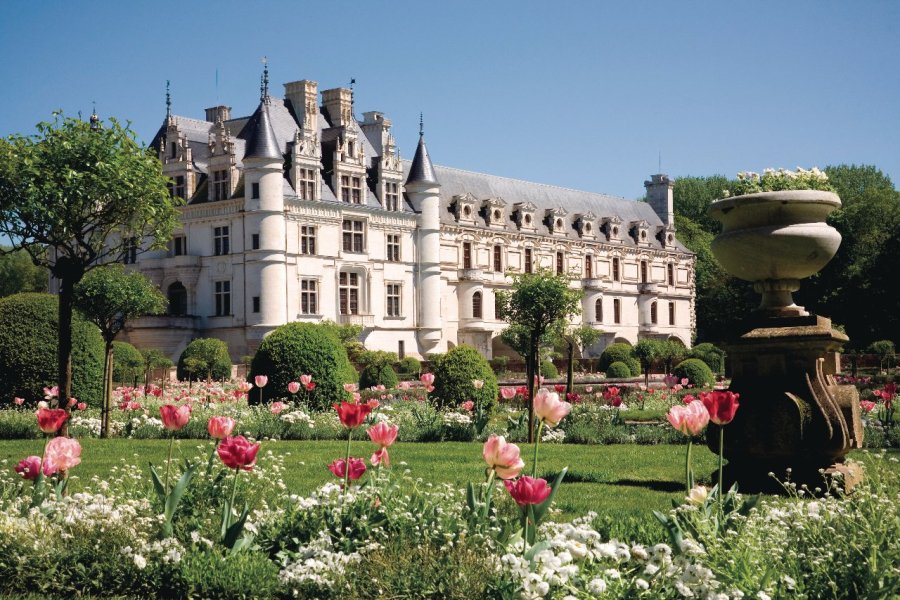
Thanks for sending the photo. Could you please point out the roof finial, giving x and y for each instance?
(421, 125)
(352, 83)
(95, 120)
(264, 86)
(168, 101)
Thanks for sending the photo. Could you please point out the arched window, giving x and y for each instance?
(653, 313)
(559, 263)
(177, 295)
(598, 310)
(615, 268)
(476, 305)
(617, 311)
(588, 267)
(643, 271)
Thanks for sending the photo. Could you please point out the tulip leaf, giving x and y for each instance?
(675, 535)
(235, 529)
(470, 497)
(535, 550)
(541, 509)
(178, 491)
(157, 484)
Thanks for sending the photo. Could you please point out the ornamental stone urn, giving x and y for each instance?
(794, 420)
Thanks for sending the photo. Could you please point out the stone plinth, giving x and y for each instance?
(792, 415)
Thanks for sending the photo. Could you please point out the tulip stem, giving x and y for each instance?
(721, 455)
(537, 440)
(169, 462)
(525, 534)
(231, 504)
(687, 467)
(347, 462)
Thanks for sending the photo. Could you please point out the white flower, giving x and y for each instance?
(596, 586)
(641, 584)
(140, 562)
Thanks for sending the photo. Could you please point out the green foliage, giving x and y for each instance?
(713, 356)
(620, 352)
(378, 373)
(28, 350)
(128, 363)
(210, 573)
(618, 370)
(155, 359)
(19, 274)
(295, 349)
(693, 195)
(549, 370)
(647, 351)
(500, 364)
(409, 365)
(671, 351)
(453, 375)
(779, 180)
(109, 296)
(696, 371)
(205, 357)
(883, 348)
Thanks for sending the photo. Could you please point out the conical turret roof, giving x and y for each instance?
(421, 170)
(262, 142)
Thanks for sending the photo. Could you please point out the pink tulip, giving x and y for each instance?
(244, 386)
(427, 380)
(29, 468)
(51, 392)
(685, 381)
(721, 406)
(588, 389)
(220, 427)
(19, 401)
(373, 403)
(277, 407)
(380, 456)
(508, 393)
(261, 380)
(339, 468)
(238, 453)
(477, 384)
(688, 398)
(305, 380)
(468, 405)
(383, 434)
(502, 457)
(310, 386)
(174, 417)
(527, 490)
(350, 387)
(867, 405)
(690, 419)
(294, 387)
(50, 420)
(72, 402)
(404, 385)
(549, 408)
(61, 455)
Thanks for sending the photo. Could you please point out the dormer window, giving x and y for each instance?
(176, 187)
(639, 231)
(493, 210)
(611, 228)
(220, 185)
(558, 224)
(350, 149)
(584, 224)
(528, 220)
(464, 207)
(351, 189)
(497, 215)
(523, 215)
(556, 220)
(391, 196)
(467, 212)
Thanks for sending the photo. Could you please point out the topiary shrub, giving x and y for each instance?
(618, 370)
(620, 352)
(697, 371)
(128, 363)
(295, 349)
(377, 370)
(206, 357)
(453, 376)
(500, 364)
(409, 365)
(713, 356)
(549, 370)
(29, 330)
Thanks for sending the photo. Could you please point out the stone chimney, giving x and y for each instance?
(218, 113)
(304, 98)
(661, 198)
(338, 106)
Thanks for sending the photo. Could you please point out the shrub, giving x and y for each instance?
(713, 356)
(378, 371)
(618, 370)
(500, 364)
(303, 348)
(128, 363)
(453, 375)
(695, 370)
(620, 352)
(29, 330)
(208, 357)
(549, 370)
(409, 366)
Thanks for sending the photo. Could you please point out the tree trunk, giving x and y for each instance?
(529, 383)
(570, 373)
(64, 356)
(647, 375)
(107, 391)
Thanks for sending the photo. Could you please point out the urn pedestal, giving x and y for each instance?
(794, 420)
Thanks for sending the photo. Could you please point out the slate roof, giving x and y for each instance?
(261, 142)
(421, 170)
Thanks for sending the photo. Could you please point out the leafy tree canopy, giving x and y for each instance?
(110, 296)
(19, 274)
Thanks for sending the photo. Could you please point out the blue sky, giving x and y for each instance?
(585, 95)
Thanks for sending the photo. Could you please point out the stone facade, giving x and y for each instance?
(300, 212)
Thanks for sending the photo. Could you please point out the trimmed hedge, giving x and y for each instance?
(697, 371)
(620, 352)
(29, 343)
(410, 366)
(453, 375)
(128, 363)
(549, 370)
(713, 356)
(296, 349)
(378, 374)
(209, 350)
(618, 370)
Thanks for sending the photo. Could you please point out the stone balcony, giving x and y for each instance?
(474, 324)
(647, 288)
(471, 275)
(363, 320)
(592, 283)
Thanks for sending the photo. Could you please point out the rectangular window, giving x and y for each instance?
(393, 299)
(254, 187)
(345, 188)
(467, 255)
(306, 187)
(309, 296)
(221, 246)
(220, 185)
(588, 267)
(254, 241)
(529, 265)
(671, 313)
(643, 271)
(401, 349)
(498, 259)
(615, 269)
(349, 293)
(354, 240)
(559, 263)
(130, 251)
(391, 196)
(393, 247)
(356, 190)
(178, 245)
(307, 239)
(654, 318)
(223, 298)
(256, 304)
(176, 187)
(617, 311)
(670, 273)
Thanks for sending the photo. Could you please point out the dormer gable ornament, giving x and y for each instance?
(464, 207)
(556, 220)
(523, 214)
(612, 228)
(494, 210)
(639, 231)
(584, 224)
(666, 235)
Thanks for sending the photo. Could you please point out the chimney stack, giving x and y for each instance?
(304, 98)
(338, 106)
(218, 113)
(661, 198)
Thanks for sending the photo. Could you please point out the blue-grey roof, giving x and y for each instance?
(261, 141)
(421, 170)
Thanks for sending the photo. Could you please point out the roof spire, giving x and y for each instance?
(421, 170)
(264, 82)
(168, 101)
(421, 125)
(95, 120)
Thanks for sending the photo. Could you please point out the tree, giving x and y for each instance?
(581, 337)
(647, 351)
(155, 359)
(18, 274)
(75, 196)
(537, 304)
(109, 297)
(693, 195)
(671, 352)
(884, 349)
